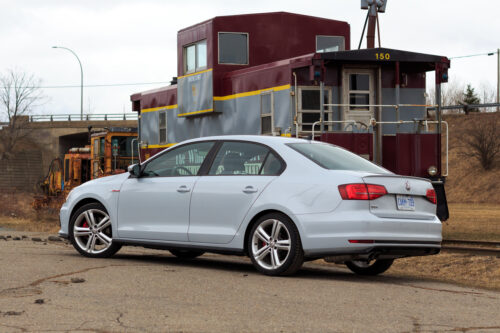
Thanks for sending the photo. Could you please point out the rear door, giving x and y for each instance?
(406, 197)
(221, 199)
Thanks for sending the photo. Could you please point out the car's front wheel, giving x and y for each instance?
(373, 267)
(274, 245)
(91, 231)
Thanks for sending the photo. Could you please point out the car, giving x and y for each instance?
(279, 200)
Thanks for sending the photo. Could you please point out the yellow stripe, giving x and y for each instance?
(166, 107)
(216, 98)
(250, 93)
(205, 71)
(160, 146)
(194, 112)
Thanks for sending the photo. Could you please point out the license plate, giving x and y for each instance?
(405, 202)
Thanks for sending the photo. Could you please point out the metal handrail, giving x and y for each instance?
(385, 105)
(373, 122)
(334, 122)
(88, 117)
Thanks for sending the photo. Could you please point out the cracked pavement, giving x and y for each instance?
(49, 287)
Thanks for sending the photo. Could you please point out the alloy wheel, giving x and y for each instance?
(92, 231)
(271, 244)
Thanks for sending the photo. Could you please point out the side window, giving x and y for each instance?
(239, 158)
(266, 113)
(182, 161)
(163, 126)
(329, 44)
(272, 166)
(233, 48)
(195, 57)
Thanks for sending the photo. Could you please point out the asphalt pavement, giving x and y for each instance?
(46, 286)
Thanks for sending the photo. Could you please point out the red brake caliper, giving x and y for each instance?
(85, 224)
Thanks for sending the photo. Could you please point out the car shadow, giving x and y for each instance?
(243, 265)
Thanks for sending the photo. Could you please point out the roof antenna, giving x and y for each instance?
(374, 7)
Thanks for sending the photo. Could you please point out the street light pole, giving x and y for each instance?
(498, 79)
(81, 77)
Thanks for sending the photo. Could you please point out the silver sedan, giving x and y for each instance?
(278, 200)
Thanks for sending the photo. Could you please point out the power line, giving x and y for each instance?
(475, 55)
(95, 85)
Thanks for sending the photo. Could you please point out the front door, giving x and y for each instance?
(359, 94)
(155, 206)
(221, 199)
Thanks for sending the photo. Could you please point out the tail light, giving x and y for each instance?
(431, 195)
(361, 191)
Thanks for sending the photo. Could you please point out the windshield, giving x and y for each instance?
(123, 146)
(335, 158)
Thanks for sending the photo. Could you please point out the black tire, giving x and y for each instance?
(100, 249)
(286, 263)
(373, 268)
(186, 254)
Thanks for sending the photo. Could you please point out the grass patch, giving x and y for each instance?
(464, 269)
(473, 222)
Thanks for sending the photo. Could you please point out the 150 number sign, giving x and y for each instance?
(382, 56)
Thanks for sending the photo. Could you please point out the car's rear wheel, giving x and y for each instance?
(91, 231)
(186, 254)
(274, 245)
(373, 267)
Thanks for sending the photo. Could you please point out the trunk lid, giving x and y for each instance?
(406, 197)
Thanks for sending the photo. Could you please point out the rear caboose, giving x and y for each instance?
(295, 75)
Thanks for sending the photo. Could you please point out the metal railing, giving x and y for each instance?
(373, 123)
(86, 117)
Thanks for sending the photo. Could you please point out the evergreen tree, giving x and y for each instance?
(470, 97)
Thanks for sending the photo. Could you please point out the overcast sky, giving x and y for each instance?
(132, 41)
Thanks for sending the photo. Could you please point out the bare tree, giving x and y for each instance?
(482, 140)
(20, 93)
(451, 94)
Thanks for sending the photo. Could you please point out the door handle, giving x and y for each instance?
(250, 189)
(183, 189)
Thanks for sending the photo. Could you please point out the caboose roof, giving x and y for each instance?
(256, 16)
(420, 61)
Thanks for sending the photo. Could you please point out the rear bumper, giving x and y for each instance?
(381, 252)
(325, 235)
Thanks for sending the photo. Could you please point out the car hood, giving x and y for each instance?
(114, 179)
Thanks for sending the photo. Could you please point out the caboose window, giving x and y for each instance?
(266, 113)
(233, 48)
(329, 44)
(163, 127)
(195, 57)
(310, 110)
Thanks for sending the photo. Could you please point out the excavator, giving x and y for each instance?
(109, 152)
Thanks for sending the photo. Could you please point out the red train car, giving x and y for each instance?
(295, 75)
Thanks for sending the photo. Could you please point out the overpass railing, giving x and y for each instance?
(86, 117)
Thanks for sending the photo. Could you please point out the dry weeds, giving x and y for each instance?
(473, 222)
(467, 182)
(17, 213)
(463, 269)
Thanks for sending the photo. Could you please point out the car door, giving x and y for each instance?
(155, 206)
(220, 200)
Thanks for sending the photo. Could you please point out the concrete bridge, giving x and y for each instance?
(49, 137)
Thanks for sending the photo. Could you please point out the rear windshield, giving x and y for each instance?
(335, 158)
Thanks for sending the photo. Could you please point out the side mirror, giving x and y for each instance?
(134, 170)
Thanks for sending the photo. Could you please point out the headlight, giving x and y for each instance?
(432, 171)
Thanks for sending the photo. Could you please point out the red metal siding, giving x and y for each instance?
(157, 98)
(411, 154)
(359, 143)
